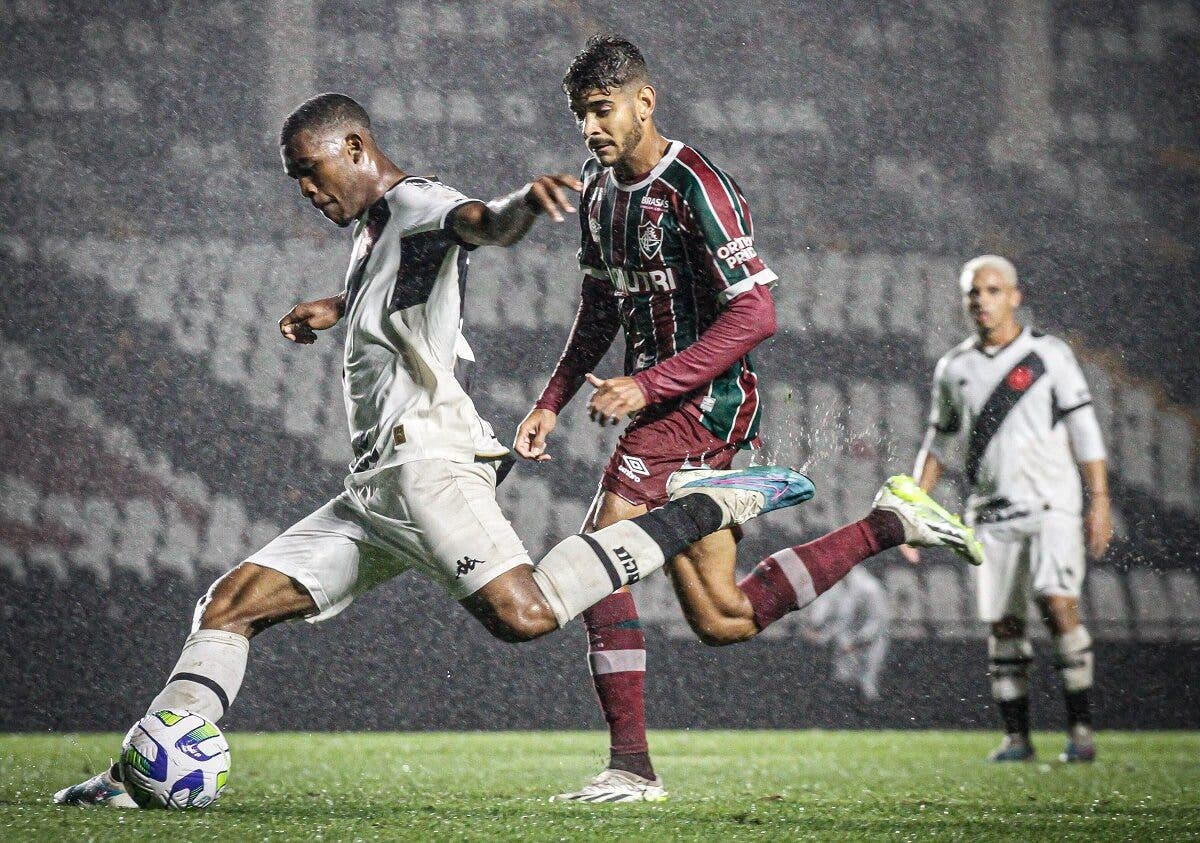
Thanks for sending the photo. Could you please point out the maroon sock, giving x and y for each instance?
(792, 578)
(617, 657)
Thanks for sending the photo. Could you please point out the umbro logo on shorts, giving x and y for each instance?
(633, 467)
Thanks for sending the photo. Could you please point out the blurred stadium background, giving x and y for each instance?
(156, 428)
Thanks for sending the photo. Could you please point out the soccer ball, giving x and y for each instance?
(174, 759)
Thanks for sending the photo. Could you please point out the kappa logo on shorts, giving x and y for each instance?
(633, 467)
(465, 566)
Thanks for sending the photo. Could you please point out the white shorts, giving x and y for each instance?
(1038, 555)
(437, 516)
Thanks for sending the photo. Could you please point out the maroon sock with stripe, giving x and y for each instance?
(617, 658)
(792, 578)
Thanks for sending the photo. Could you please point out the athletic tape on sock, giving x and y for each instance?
(582, 570)
(1008, 667)
(1074, 660)
(207, 676)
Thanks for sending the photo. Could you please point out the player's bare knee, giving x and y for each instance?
(721, 631)
(519, 620)
(247, 601)
(1060, 614)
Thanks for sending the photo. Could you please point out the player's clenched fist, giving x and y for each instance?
(305, 318)
(614, 399)
(532, 433)
(545, 194)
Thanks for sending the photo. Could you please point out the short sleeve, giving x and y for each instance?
(1070, 386)
(945, 414)
(425, 205)
(720, 217)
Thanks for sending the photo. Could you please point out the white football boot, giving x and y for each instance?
(100, 790)
(613, 786)
(926, 522)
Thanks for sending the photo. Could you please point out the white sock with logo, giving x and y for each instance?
(582, 570)
(207, 676)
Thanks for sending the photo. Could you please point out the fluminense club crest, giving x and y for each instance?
(650, 238)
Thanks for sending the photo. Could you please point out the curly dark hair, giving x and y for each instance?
(321, 111)
(604, 63)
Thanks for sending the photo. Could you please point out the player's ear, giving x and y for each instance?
(646, 99)
(354, 147)
(1016, 297)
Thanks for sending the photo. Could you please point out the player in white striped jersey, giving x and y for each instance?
(1016, 400)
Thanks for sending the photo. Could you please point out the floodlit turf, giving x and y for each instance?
(724, 785)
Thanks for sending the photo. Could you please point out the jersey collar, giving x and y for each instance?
(673, 148)
(992, 355)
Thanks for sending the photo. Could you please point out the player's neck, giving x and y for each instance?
(1000, 335)
(646, 155)
(386, 176)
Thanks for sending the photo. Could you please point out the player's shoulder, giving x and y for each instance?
(957, 354)
(418, 189)
(1055, 347)
(590, 170)
(693, 173)
(421, 203)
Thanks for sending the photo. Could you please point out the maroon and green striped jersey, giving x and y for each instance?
(674, 248)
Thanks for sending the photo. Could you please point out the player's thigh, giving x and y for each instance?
(1057, 557)
(328, 554)
(608, 508)
(650, 451)
(705, 580)
(1001, 582)
(466, 539)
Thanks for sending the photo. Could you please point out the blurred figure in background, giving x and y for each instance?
(1018, 400)
(853, 617)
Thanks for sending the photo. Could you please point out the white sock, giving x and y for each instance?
(1008, 667)
(580, 571)
(1073, 658)
(208, 674)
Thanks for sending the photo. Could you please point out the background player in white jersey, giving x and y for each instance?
(421, 489)
(1018, 402)
(853, 617)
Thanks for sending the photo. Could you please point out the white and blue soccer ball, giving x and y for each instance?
(174, 759)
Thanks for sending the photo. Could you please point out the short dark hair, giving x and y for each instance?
(322, 111)
(604, 63)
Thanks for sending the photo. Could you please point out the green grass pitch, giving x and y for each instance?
(724, 785)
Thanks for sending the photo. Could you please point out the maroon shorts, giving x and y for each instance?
(648, 452)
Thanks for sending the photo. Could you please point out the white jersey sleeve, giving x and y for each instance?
(426, 205)
(1073, 405)
(945, 417)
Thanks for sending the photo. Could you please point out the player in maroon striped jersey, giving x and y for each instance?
(667, 253)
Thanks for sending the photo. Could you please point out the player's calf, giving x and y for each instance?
(1074, 661)
(1008, 670)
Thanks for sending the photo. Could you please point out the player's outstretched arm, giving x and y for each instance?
(304, 319)
(596, 325)
(504, 221)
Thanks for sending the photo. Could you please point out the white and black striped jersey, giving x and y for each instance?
(404, 294)
(1022, 415)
